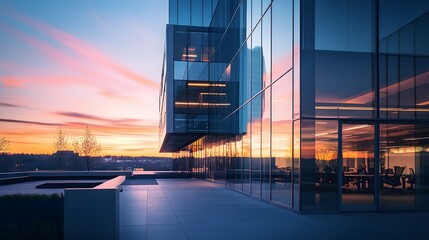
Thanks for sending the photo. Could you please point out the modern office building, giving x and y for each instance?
(315, 105)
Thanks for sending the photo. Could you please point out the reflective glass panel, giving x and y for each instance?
(281, 37)
(281, 148)
(319, 165)
(358, 167)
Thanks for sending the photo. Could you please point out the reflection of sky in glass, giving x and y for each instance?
(282, 117)
(343, 25)
(391, 21)
(281, 37)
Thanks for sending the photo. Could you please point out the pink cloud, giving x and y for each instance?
(4, 104)
(52, 52)
(12, 82)
(28, 122)
(32, 81)
(115, 95)
(85, 50)
(85, 116)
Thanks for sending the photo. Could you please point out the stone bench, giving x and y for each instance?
(93, 213)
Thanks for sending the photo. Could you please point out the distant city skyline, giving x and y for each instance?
(73, 64)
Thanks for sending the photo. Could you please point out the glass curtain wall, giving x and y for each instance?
(338, 54)
(190, 80)
(337, 121)
(404, 61)
(191, 12)
(337, 81)
(371, 78)
(404, 104)
(358, 175)
(266, 102)
(281, 137)
(257, 158)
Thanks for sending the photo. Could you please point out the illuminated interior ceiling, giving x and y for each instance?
(356, 102)
(189, 54)
(203, 104)
(197, 93)
(391, 135)
(192, 101)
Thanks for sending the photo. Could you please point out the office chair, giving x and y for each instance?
(395, 180)
(412, 179)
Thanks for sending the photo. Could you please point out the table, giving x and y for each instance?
(361, 180)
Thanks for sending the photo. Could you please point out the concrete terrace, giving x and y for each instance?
(192, 209)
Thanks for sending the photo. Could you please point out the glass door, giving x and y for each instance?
(358, 167)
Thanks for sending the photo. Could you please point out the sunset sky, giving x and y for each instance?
(75, 63)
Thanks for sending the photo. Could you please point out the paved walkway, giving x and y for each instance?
(190, 209)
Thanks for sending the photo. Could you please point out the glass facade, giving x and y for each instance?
(312, 105)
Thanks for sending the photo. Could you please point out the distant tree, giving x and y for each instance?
(87, 145)
(60, 145)
(4, 144)
(61, 141)
(75, 145)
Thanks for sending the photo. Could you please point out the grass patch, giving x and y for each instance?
(31, 196)
(31, 216)
(69, 185)
(31, 229)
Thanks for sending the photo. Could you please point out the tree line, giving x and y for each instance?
(85, 145)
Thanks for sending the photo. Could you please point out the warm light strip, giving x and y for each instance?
(201, 104)
(412, 139)
(404, 109)
(344, 130)
(216, 94)
(423, 103)
(356, 127)
(371, 108)
(326, 133)
(343, 108)
(190, 55)
(206, 85)
(322, 134)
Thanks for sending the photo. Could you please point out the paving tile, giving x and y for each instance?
(165, 232)
(167, 217)
(162, 220)
(137, 232)
(198, 210)
(163, 212)
(132, 218)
